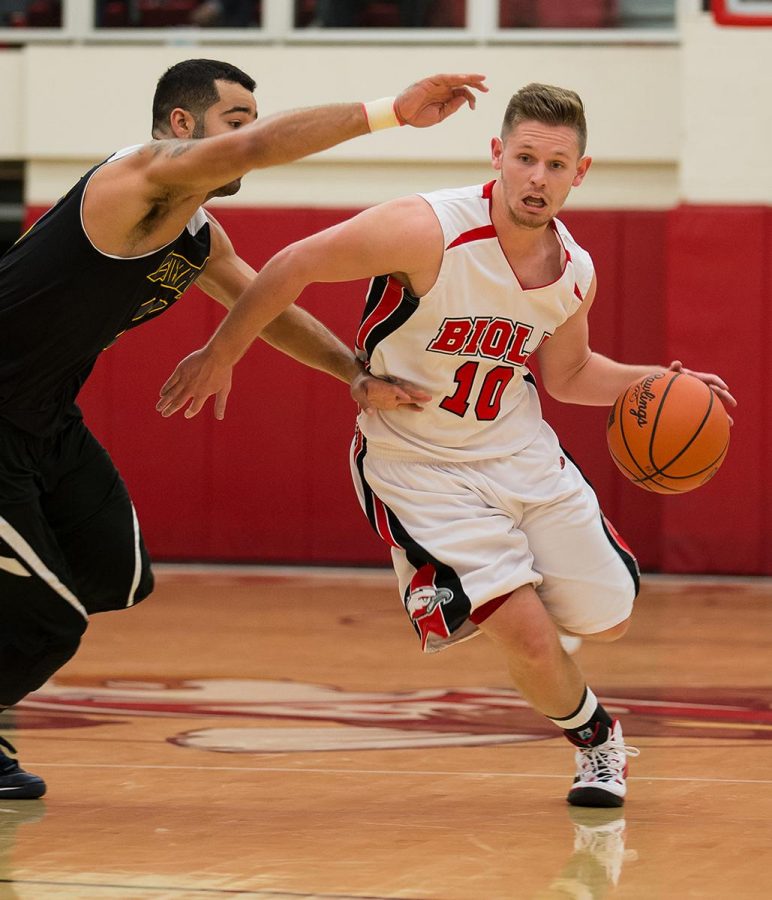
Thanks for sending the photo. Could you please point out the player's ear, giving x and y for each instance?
(497, 151)
(182, 123)
(581, 170)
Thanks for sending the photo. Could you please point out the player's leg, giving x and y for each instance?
(41, 618)
(589, 583)
(93, 518)
(541, 670)
(463, 563)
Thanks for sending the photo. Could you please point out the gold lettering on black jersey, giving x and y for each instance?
(173, 277)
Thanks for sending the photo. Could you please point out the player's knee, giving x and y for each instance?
(529, 645)
(610, 634)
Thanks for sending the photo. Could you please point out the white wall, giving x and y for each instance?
(726, 150)
(666, 122)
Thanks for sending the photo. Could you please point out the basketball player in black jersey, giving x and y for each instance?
(119, 249)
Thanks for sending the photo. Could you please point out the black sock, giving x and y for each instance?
(589, 724)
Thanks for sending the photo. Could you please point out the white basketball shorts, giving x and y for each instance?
(464, 534)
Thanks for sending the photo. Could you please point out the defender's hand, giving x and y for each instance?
(433, 99)
(195, 379)
(373, 393)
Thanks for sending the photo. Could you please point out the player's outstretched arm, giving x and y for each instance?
(401, 236)
(296, 333)
(204, 165)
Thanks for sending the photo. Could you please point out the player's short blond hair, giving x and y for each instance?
(549, 105)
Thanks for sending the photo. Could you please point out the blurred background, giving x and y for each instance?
(676, 212)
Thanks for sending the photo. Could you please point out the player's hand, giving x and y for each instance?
(716, 384)
(373, 393)
(194, 380)
(433, 99)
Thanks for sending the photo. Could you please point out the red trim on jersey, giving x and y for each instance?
(487, 190)
(390, 300)
(476, 234)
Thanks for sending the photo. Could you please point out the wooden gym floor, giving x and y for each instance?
(277, 734)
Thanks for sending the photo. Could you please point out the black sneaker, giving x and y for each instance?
(15, 783)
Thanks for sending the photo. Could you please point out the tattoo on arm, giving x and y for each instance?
(179, 147)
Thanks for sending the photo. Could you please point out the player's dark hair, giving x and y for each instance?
(549, 105)
(190, 85)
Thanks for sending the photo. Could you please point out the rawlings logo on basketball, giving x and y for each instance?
(641, 396)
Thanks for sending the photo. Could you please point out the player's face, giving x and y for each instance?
(539, 164)
(235, 108)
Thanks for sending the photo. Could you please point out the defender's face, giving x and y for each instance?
(539, 164)
(235, 108)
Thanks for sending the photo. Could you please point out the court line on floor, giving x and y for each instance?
(422, 773)
(239, 892)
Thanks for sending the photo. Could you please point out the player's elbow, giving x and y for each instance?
(558, 388)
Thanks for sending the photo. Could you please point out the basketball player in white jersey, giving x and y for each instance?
(492, 527)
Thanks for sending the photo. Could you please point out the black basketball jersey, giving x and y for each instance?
(62, 302)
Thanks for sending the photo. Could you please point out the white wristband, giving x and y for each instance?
(381, 113)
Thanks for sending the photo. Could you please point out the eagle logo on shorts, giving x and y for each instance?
(424, 605)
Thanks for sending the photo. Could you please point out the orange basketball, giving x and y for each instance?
(668, 432)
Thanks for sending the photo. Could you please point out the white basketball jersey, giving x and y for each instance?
(466, 341)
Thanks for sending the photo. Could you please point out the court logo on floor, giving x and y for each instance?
(327, 718)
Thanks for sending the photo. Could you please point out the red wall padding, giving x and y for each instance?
(719, 295)
(271, 482)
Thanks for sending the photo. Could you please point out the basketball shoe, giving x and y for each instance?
(601, 772)
(15, 783)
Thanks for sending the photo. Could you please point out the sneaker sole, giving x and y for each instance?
(30, 791)
(594, 797)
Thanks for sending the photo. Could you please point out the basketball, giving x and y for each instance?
(668, 433)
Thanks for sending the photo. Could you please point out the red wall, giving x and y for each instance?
(271, 482)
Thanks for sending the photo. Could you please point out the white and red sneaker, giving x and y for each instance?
(601, 772)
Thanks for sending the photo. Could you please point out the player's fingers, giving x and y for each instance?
(194, 408)
(417, 396)
(172, 403)
(474, 79)
(166, 402)
(399, 396)
(715, 381)
(413, 407)
(450, 107)
(416, 393)
(724, 395)
(468, 96)
(169, 383)
(220, 402)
